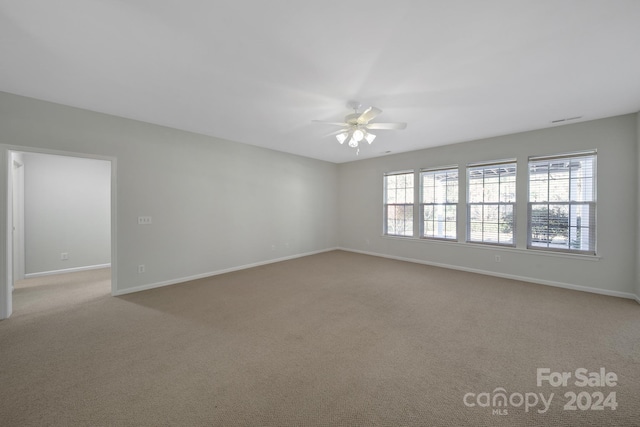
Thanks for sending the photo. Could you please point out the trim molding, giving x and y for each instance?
(494, 247)
(215, 273)
(505, 276)
(67, 270)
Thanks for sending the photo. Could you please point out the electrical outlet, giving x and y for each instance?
(144, 220)
(498, 259)
(64, 256)
(141, 269)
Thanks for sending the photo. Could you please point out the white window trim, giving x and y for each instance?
(385, 204)
(469, 204)
(592, 223)
(464, 192)
(498, 248)
(422, 204)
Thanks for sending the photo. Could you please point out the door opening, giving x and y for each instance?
(60, 216)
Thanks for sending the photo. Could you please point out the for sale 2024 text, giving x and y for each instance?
(587, 398)
(581, 377)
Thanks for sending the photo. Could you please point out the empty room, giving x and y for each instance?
(244, 213)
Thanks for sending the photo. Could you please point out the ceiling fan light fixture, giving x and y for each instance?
(342, 137)
(356, 126)
(369, 137)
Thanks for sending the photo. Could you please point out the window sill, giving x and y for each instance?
(541, 252)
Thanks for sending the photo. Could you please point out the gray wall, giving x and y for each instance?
(361, 214)
(215, 204)
(219, 205)
(638, 211)
(66, 209)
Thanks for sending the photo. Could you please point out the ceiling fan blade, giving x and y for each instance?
(331, 123)
(386, 126)
(368, 114)
(337, 132)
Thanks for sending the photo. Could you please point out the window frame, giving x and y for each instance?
(498, 204)
(386, 204)
(422, 204)
(569, 203)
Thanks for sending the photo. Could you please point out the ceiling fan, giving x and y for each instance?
(356, 126)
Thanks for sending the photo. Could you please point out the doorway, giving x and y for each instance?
(60, 216)
(17, 223)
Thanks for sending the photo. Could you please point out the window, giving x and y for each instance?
(562, 203)
(439, 204)
(491, 202)
(398, 203)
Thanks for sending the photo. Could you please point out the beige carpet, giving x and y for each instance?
(336, 339)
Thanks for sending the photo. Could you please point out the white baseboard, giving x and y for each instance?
(505, 276)
(119, 292)
(66, 270)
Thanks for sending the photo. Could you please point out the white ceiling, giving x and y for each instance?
(259, 72)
